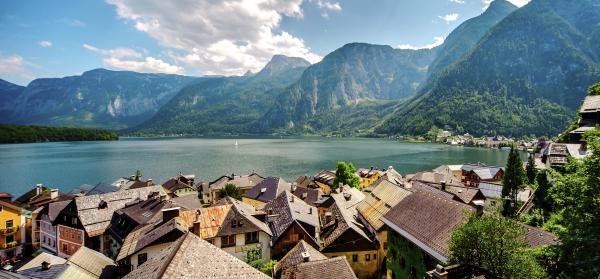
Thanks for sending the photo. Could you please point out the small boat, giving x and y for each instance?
(236, 143)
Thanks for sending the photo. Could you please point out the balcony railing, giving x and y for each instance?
(10, 230)
(9, 245)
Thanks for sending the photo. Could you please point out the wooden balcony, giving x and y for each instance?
(10, 230)
(9, 245)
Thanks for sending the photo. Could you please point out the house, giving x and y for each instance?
(473, 174)
(435, 177)
(589, 117)
(556, 154)
(343, 234)
(84, 221)
(304, 261)
(308, 195)
(13, 229)
(394, 176)
(44, 231)
(368, 176)
(232, 227)
(132, 182)
(192, 257)
(291, 220)
(383, 196)
(210, 191)
(324, 179)
(85, 264)
(180, 186)
(419, 230)
(266, 190)
(457, 192)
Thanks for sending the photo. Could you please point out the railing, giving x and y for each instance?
(9, 230)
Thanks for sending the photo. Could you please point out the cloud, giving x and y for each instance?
(129, 59)
(436, 42)
(218, 37)
(518, 3)
(45, 43)
(326, 6)
(14, 67)
(73, 22)
(449, 17)
(458, 1)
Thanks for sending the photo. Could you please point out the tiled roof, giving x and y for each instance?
(94, 263)
(435, 177)
(294, 257)
(344, 218)
(427, 220)
(102, 188)
(192, 257)
(188, 201)
(538, 237)
(33, 267)
(11, 275)
(147, 235)
(242, 181)
(209, 221)
(591, 104)
(289, 210)
(94, 219)
(325, 177)
(334, 268)
(308, 195)
(461, 193)
(55, 208)
(383, 197)
(175, 184)
(268, 189)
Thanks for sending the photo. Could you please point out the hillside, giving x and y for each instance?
(29, 134)
(8, 93)
(527, 76)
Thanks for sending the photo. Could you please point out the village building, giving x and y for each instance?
(324, 180)
(85, 264)
(432, 181)
(555, 154)
(266, 190)
(291, 220)
(180, 186)
(473, 174)
(308, 195)
(390, 174)
(304, 261)
(210, 190)
(419, 230)
(44, 229)
(368, 176)
(13, 229)
(191, 257)
(382, 197)
(232, 226)
(132, 182)
(589, 117)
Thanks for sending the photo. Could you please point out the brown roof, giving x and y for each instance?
(538, 237)
(308, 195)
(294, 257)
(325, 177)
(383, 197)
(193, 257)
(176, 183)
(591, 104)
(268, 189)
(334, 268)
(288, 210)
(427, 220)
(460, 193)
(345, 222)
(188, 201)
(151, 234)
(242, 181)
(12, 205)
(435, 177)
(5, 195)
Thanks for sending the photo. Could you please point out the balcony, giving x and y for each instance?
(9, 230)
(9, 245)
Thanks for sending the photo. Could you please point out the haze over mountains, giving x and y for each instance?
(508, 71)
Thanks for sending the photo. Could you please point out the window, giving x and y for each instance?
(65, 248)
(1, 208)
(228, 241)
(251, 237)
(9, 224)
(355, 258)
(374, 256)
(142, 258)
(233, 223)
(74, 221)
(368, 257)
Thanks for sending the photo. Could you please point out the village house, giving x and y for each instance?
(210, 190)
(324, 180)
(180, 186)
(589, 117)
(84, 264)
(231, 225)
(419, 229)
(44, 229)
(85, 220)
(433, 181)
(308, 195)
(13, 229)
(132, 182)
(266, 190)
(304, 261)
(473, 174)
(555, 154)
(191, 257)
(382, 197)
(390, 174)
(291, 220)
(368, 176)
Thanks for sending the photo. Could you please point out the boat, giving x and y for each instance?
(236, 143)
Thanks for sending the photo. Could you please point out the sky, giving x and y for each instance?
(42, 39)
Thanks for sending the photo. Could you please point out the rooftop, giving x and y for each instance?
(334, 268)
(591, 104)
(288, 210)
(268, 189)
(383, 197)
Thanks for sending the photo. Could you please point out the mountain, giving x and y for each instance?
(98, 98)
(226, 105)
(467, 34)
(350, 76)
(527, 75)
(8, 93)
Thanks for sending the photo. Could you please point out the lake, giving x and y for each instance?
(65, 165)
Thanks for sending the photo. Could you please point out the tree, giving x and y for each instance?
(594, 89)
(513, 181)
(576, 197)
(254, 259)
(496, 244)
(138, 175)
(345, 173)
(531, 171)
(230, 190)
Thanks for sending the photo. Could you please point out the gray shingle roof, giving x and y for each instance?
(334, 268)
(268, 189)
(289, 210)
(294, 257)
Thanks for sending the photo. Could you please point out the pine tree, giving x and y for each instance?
(531, 171)
(513, 181)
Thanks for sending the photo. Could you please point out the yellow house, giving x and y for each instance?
(13, 229)
(368, 176)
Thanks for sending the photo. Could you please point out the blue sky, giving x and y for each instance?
(61, 38)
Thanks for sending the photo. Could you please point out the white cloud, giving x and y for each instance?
(449, 17)
(129, 59)
(45, 43)
(518, 3)
(436, 42)
(14, 67)
(458, 1)
(218, 37)
(326, 6)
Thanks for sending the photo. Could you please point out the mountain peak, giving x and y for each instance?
(281, 63)
(501, 6)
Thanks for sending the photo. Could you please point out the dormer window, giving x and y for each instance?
(103, 204)
(234, 223)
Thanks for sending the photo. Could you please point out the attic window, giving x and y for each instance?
(234, 223)
(262, 190)
(103, 204)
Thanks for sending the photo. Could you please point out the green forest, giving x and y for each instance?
(26, 134)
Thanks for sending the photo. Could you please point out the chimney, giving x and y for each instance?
(310, 210)
(347, 196)
(45, 265)
(294, 187)
(292, 198)
(198, 213)
(149, 181)
(53, 194)
(305, 256)
(170, 213)
(440, 272)
(38, 188)
(443, 183)
(479, 207)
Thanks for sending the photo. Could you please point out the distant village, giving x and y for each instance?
(255, 226)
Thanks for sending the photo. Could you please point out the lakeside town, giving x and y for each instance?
(343, 223)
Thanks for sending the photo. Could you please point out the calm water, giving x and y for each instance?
(66, 165)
